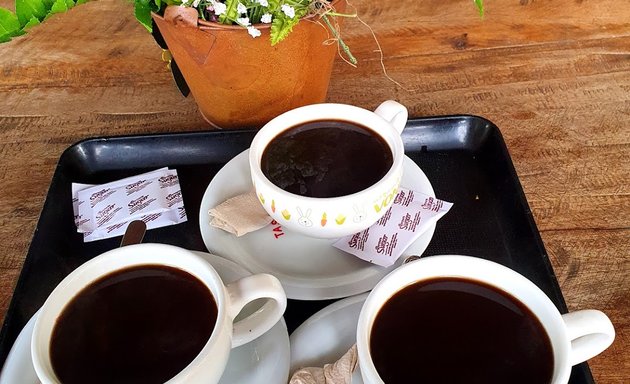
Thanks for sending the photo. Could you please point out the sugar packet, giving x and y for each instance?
(383, 243)
(103, 211)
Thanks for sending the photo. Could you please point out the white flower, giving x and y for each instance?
(266, 18)
(253, 31)
(241, 8)
(264, 3)
(219, 8)
(243, 21)
(288, 10)
(196, 3)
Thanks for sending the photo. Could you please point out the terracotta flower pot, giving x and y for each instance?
(240, 81)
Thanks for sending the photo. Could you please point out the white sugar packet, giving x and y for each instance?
(82, 221)
(103, 211)
(383, 243)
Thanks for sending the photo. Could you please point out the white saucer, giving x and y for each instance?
(327, 335)
(309, 268)
(264, 360)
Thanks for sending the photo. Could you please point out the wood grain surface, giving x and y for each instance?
(553, 75)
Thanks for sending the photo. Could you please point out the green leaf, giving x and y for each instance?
(281, 26)
(256, 13)
(297, 3)
(231, 12)
(69, 3)
(273, 5)
(143, 14)
(158, 3)
(26, 9)
(300, 7)
(5, 38)
(9, 25)
(31, 23)
(300, 12)
(479, 5)
(59, 6)
(81, 2)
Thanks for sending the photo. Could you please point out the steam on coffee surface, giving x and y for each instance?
(326, 158)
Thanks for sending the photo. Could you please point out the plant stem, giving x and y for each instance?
(343, 45)
(341, 14)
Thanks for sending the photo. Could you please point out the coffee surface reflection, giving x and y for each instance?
(454, 330)
(142, 324)
(326, 158)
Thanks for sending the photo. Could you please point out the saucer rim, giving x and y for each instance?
(319, 316)
(317, 288)
(14, 357)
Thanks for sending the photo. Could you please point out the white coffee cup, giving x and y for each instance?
(208, 365)
(575, 337)
(334, 216)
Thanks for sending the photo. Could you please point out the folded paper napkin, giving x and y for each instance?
(339, 372)
(409, 216)
(240, 214)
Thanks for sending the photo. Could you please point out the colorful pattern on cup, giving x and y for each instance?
(332, 217)
(358, 215)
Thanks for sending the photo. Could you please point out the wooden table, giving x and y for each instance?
(554, 76)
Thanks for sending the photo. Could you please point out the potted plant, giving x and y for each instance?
(245, 61)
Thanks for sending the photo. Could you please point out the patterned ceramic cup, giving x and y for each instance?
(332, 217)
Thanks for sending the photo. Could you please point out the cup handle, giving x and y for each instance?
(590, 332)
(395, 113)
(246, 290)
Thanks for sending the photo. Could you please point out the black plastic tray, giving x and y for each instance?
(464, 157)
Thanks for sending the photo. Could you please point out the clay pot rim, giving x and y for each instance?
(206, 25)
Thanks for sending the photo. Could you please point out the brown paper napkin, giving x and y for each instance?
(339, 372)
(240, 215)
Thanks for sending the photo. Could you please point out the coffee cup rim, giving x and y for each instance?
(122, 258)
(270, 130)
(386, 288)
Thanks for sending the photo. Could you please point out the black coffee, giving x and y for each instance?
(327, 158)
(451, 330)
(142, 324)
